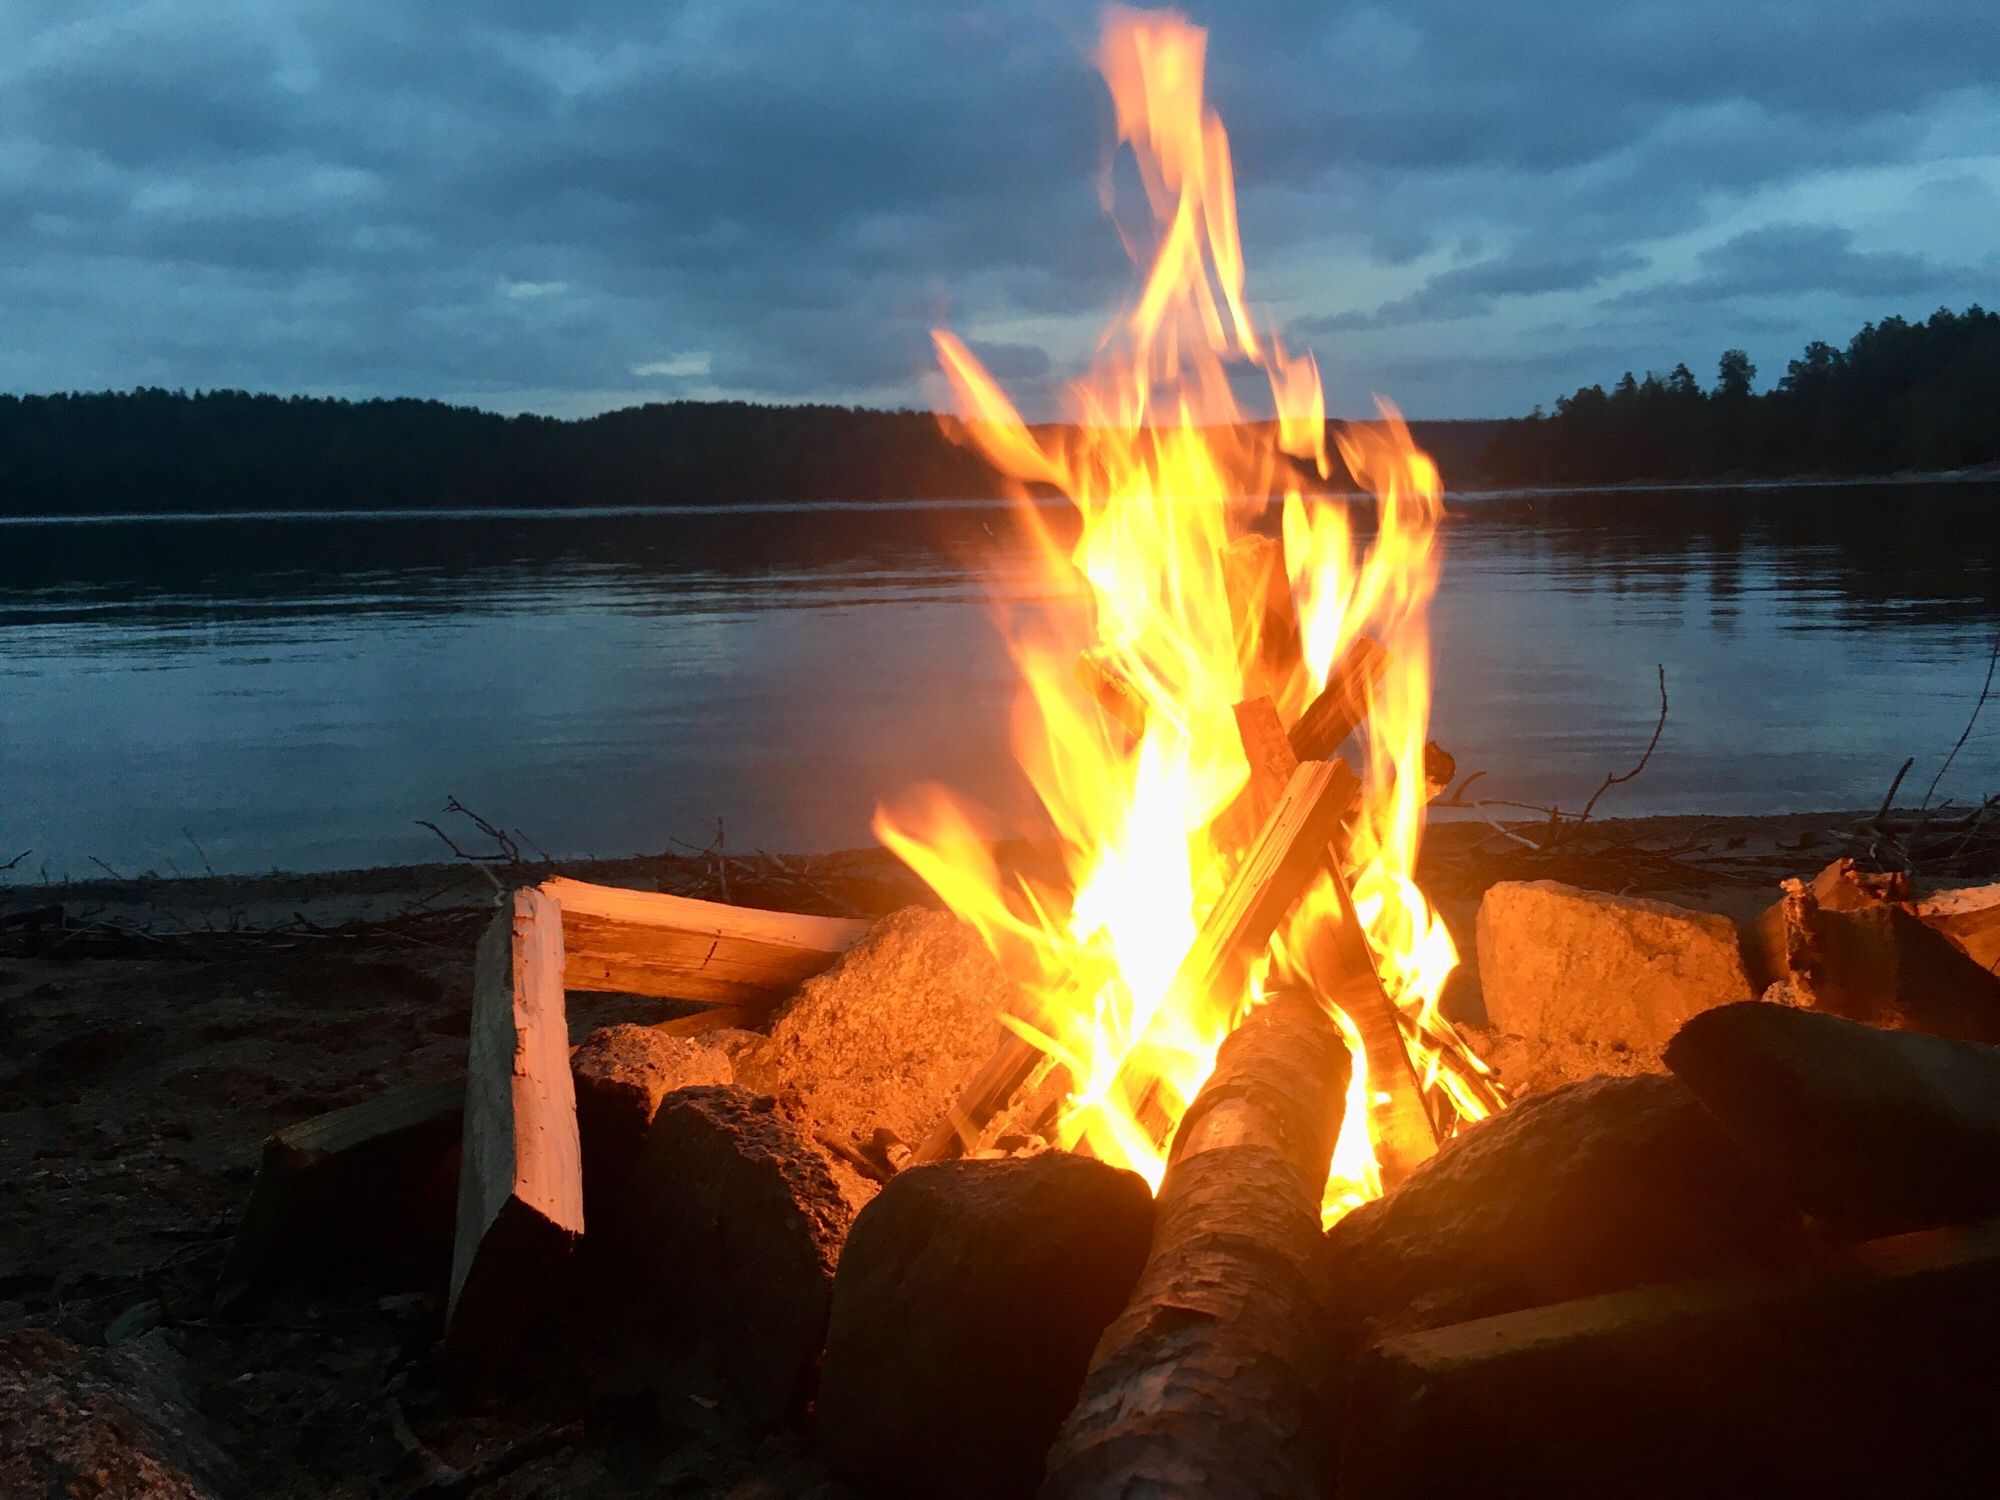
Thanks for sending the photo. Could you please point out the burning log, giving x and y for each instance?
(1287, 855)
(1116, 696)
(1266, 618)
(1343, 703)
(650, 943)
(1213, 1381)
(1405, 1135)
(520, 1181)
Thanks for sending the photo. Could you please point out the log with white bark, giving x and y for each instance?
(1215, 1380)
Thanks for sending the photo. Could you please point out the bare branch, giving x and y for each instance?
(1651, 745)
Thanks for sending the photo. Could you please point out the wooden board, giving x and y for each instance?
(1342, 704)
(520, 1181)
(678, 948)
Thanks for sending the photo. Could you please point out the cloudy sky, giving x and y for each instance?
(1468, 206)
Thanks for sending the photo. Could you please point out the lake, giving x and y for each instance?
(294, 692)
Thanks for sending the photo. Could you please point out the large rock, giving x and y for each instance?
(1596, 983)
(1872, 1131)
(731, 1230)
(113, 1424)
(622, 1073)
(885, 1039)
(1592, 1187)
(968, 1300)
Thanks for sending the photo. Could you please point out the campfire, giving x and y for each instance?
(1152, 1164)
(1176, 719)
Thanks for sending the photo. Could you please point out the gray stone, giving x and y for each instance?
(1598, 983)
(1592, 1187)
(886, 1038)
(968, 1300)
(1871, 1131)
(622, 1073)
(731, 1230)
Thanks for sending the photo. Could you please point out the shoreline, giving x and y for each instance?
(1985, 474)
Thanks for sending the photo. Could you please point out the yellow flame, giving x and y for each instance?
(1165, 473)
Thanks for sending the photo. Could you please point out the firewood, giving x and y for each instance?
(1872, 1376)
(1267, 621)
(1214, 1381)
(396, 1152)
(1969, 918)
(520, 1181)
(1404, 1133)
(1280, 864)
(1113, 693)
(650, 943)
(1343, 703)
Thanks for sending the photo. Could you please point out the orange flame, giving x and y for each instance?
(1165, 472)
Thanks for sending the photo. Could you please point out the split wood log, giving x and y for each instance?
(1113, 693)
(396, 1153)
(678, 948)
(1969, 918)
(520, 1181)
(1267, 621)
(1343, 703)
(1405, 1134)
(1214, 1381)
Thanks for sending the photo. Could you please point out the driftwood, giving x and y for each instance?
(649, 943)
(1213, 1382)
(520, 1181)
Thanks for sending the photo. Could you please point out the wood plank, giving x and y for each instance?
(1343, 703)
(679, 948)
(520, 1181)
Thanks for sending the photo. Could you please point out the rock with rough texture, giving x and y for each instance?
(113, 1424)
(622, 1073)
(1593, 1187)
(886, 1038)
(1871, 1131)
(731, 1230)
(1602, 980)
(967, 1302)
(1883, 966)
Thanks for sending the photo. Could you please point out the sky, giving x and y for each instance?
(1468, 207)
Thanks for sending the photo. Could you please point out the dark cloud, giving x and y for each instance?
(526, 203)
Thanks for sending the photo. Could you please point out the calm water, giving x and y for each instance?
(295, 692)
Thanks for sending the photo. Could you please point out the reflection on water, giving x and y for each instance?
(294, 692)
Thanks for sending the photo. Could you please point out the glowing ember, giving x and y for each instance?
(1126, 724)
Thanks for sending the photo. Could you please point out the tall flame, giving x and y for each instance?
(1165, 473)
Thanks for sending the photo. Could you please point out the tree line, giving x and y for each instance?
(1901, 396)
(159, 451)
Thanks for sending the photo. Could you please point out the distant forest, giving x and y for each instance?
(155, 451)
(1901, 396)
